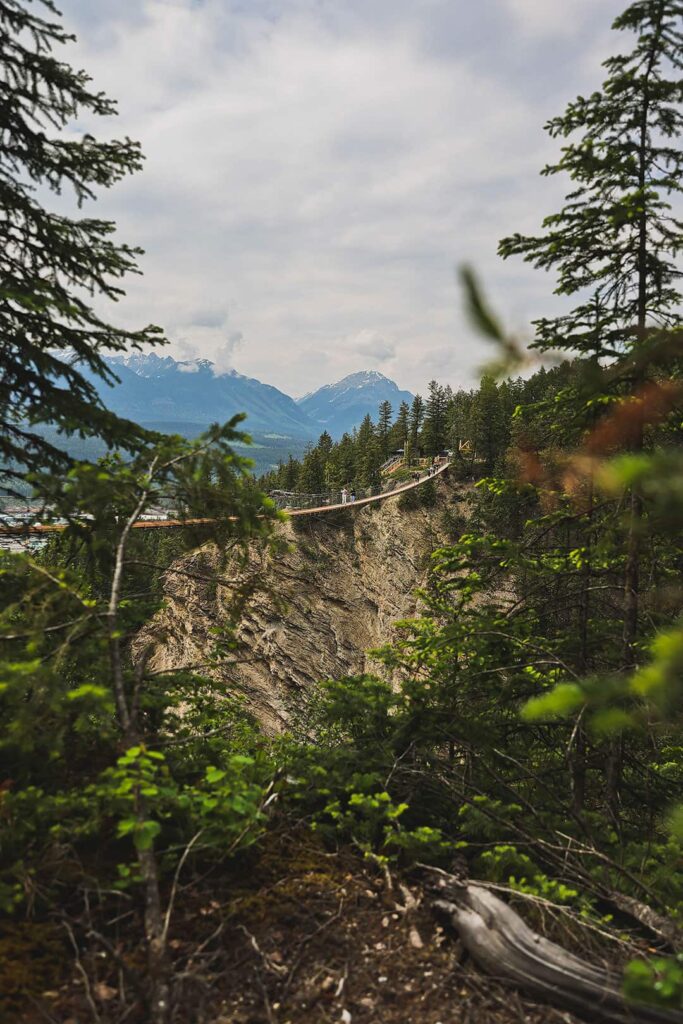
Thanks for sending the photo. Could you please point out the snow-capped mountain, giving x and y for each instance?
(161, 391)
(342, 406)
(169, 394)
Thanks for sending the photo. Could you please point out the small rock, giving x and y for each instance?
(104, 992)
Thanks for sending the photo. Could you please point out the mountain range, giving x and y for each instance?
(185, 396)
(162, 392)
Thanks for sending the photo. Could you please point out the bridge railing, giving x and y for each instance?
(285, 500)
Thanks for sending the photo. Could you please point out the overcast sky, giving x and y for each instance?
(317, 169)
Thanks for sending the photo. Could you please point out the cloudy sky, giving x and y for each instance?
(317, 169)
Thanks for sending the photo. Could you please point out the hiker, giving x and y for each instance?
(353, 496)
(345, 495)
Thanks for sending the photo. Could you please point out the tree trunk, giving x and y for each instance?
(158, 966)
(504, 946)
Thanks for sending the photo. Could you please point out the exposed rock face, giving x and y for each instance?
(333, 593)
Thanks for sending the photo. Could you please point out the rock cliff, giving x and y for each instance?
(332, 592)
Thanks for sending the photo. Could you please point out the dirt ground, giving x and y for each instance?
(299, 936)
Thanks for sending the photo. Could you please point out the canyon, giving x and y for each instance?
(330, 590)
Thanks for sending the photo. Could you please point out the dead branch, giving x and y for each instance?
(505, 947)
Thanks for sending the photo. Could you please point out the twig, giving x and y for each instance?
(120, 962)
(265, 959)
(558, 908)
(82, 971)
(304, 942)
(174, 888)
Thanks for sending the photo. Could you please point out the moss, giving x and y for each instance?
(284, 872)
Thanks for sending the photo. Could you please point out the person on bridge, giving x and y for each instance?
(345, 495)
(353, 495)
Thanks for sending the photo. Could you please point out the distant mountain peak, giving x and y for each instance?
(149, 364)
(160, 389)
(342, 406)
(361, 378)
(362, 375)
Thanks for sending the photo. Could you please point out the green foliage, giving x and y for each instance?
(76, 692)
(614, 242)
(53, 338)
(657, 981)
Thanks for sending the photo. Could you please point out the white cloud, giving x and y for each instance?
(313, 168)
(223, 356)
(372, 345)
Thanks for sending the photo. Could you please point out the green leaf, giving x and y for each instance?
(563, 700)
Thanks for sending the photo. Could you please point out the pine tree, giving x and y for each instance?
(398, 435)
(341, 466)
(458, 419)
(489, 422)
(616, 238)
(615, 244)
(290, 474)
(434, 429)
(417, 413)
(53, 341)
(368, 456)
(383, 428)
(312, 475)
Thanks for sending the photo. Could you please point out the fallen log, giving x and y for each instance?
(500, 942)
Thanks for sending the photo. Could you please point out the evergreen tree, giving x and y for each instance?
(417, 413)
(368, 455)
(458, 419)
(53, 340)
(341, 466)
(434, 429)
(312, 475)
(616, 236)
(398, 435)
(325, 445)
(289, 477)
(489, 422)
(616, 240)
(383, 428)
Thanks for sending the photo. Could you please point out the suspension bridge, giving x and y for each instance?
(291, 503)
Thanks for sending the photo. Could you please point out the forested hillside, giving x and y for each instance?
(489, 826)
(478, 426)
